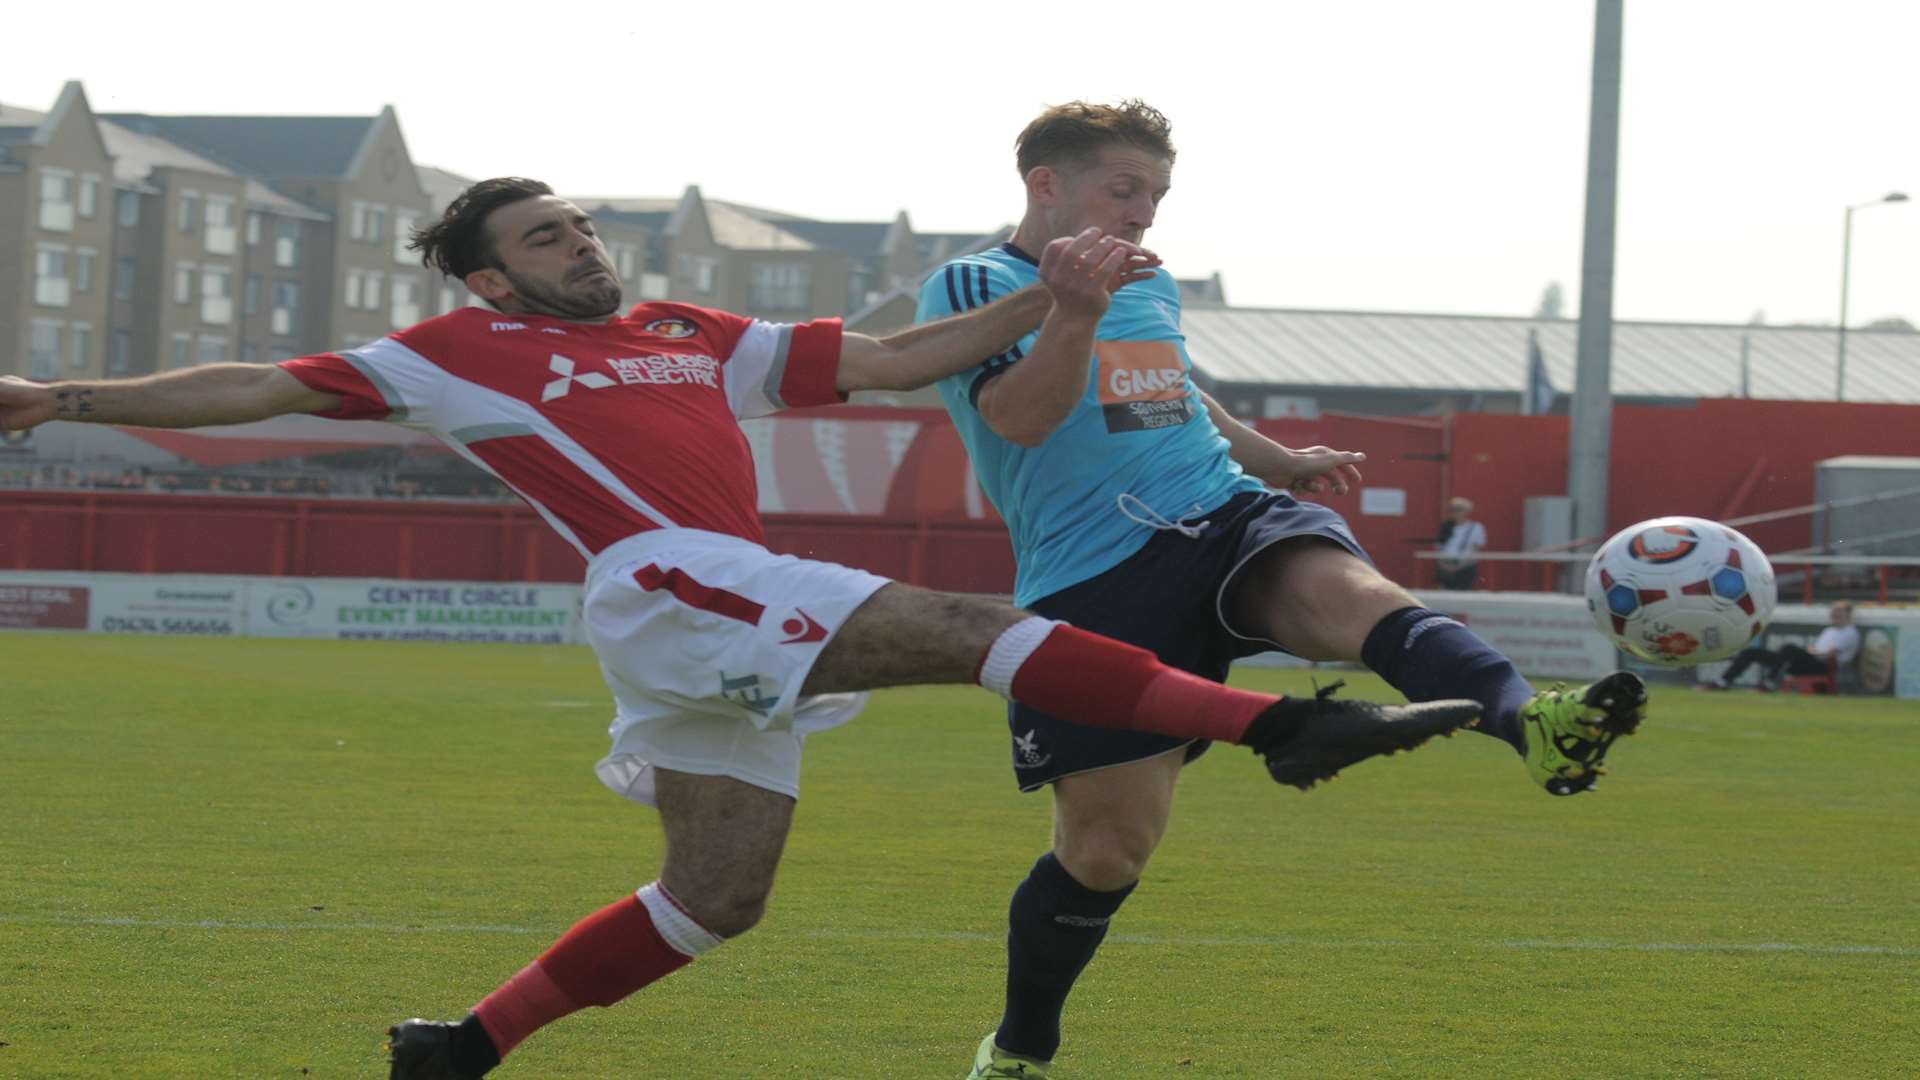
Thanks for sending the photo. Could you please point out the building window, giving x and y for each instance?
(89, 194)
(120, 359)
(623, 260)
(448, 299)
(43, 357)
(253, 228)
(250, 296)
(701, 272)
(182, 350)
(124, 270)
(51, 286)
(56, 200)
(286, 246)
(83, 261)
(376, 223)
(357, 221)
(277, 354)
(778, 287)
(355, 286)
(286, 308)
(216, 295)
(372, 293)
(249, 353)
(404, 222)
(189, 210)
(212, 350)
(406, 301)
(220, 237)
(128, 203)
(82, 346)
(183, 283)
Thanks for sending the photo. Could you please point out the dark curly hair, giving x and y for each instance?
(458, 243)
(1075, 132)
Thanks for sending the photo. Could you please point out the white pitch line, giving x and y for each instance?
(1280, 942)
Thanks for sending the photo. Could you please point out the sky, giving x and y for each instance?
(1380, 155)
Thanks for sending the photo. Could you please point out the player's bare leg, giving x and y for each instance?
(1314, 597)
(724, 839)
(1108, 822)
(905, 635)
(1324, 603)
(1106, 825)
(908, 636)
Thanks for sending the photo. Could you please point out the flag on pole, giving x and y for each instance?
(1537, 398)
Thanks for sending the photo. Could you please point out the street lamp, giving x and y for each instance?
(1846, 260)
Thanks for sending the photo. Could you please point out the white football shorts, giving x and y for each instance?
(705, 640)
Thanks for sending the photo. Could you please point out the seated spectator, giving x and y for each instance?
(1839, 644)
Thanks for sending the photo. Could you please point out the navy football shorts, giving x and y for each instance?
(1168, 597)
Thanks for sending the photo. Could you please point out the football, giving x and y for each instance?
(1680, 591)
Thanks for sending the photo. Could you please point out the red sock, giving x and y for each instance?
(606, 956)
(1094, 680)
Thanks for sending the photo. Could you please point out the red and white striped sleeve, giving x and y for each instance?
(381, 380)
(332, 373)
(776, 366)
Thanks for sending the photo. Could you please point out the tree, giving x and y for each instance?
(1891, 322)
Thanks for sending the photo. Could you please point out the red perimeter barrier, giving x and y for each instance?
(1717, 459)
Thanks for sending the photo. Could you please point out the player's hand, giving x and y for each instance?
(1083, 272)
(24, 404)
(1320, 470)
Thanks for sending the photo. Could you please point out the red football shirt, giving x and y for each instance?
(607, 429)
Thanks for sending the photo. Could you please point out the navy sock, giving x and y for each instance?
(1054, 925)
(1426, 656)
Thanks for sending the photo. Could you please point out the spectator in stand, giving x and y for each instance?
(1461, 539)
(1838, 645)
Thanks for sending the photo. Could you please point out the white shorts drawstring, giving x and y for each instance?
(1155, 520)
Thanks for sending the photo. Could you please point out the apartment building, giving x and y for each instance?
(132, 243)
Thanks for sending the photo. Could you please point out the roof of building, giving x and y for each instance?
(441, 185)
(136, 154)
(852, 237)
(1439, 353)
(265, 146)
(652, 220)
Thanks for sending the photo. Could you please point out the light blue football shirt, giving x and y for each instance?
(1140, 429)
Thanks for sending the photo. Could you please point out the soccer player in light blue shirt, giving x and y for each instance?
(1140, 509)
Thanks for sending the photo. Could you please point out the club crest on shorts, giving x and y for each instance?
(1026, 751)
(671, 328)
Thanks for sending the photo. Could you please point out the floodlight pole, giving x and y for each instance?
(1846, 265)
(1592, 411)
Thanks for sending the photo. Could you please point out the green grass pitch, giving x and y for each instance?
(246, 858)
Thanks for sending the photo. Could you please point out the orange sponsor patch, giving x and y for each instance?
(1139, 371)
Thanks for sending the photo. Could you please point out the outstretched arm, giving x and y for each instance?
(1309, 471)
(1076, 273)
(195, 397)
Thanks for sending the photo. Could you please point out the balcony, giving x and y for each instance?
(220, 239)
(52, 291)
(56, 216)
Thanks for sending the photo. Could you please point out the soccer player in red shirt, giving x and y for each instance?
(623, 433)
